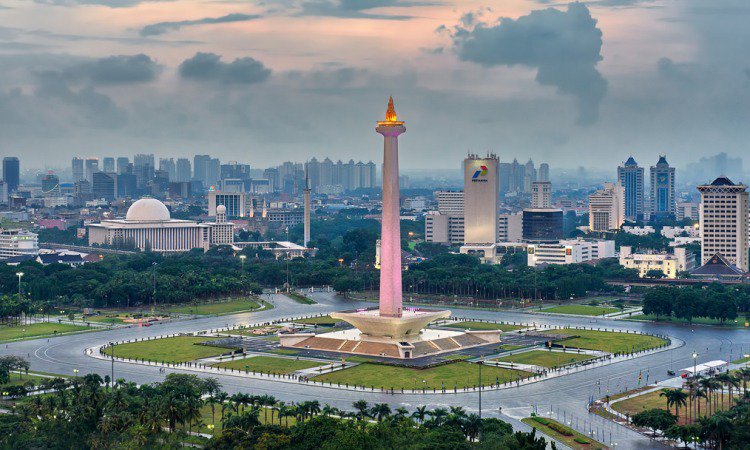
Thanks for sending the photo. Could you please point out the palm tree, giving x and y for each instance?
(282, 411)
(313, 408)
(698, 393)
(420, 414)
(401, 412)
(676, 398)
(707, 384)
(211, 401)
(471, 426)
(717, 428)
(329, 410)
(744, 374)
(723, 380)
(438, 416)
(362, 409)
(380, 411)
(267, 401)
(221, 398)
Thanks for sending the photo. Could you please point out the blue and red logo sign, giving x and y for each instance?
(481, 172)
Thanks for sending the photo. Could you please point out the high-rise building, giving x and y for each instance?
(108, 164)
(213, 172)
(724, 222)
(233, 169)
(529, 176)
(50, 184)
(200, 168)
(543, 172)
(104, 185)
(504, 171)
(630, 177)
(183, 170)
(233, 201)
(517, 176)
(510, 227)
(78, 173)
(481, 199)
(91, 166)
(542, 224)
(143, 167)
(11, 173)
(687, 210)
(541, 194)
(607, 208)
(167, 165)
(662, 189)
(123, 162)
(450, 202)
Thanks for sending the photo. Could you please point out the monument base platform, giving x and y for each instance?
(428, 342)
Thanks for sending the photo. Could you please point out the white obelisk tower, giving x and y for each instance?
(306, 238)
(390, 239)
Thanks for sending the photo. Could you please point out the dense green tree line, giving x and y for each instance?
(713, 301)
(92, 412)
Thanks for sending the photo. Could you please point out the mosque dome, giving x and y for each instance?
(221, 209)
(149, 210)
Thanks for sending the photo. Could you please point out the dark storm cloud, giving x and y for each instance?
(164, 27)
(209, 67)
(355, 9)
(116, 69)
(564, 47)
(109, 3)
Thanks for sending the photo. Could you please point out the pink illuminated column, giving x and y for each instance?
(390, 239)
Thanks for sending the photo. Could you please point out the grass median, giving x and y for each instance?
(473, 325)
(562, 433)
(270, 364)
(459, 374)
(581, 310)
(545, 358)
(176, 349)
(221, 307)
(34, 330)
(610, 341)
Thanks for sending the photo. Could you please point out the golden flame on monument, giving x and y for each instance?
(390, 115)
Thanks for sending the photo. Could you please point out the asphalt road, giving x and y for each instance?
(564, 397)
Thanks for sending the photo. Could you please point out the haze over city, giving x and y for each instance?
(269, 81)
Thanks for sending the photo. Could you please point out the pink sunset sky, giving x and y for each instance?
(267, 81)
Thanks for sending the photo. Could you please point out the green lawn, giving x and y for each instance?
(300, 298)
(224, 307)
(740, 322)
(581, 310)
(103, 319)
(612, 342)
(741, 360)
(172, 350)
(570, 438)
(17, 379)
(545, 358)
(323, 320)
(459, 374)
(8, 333)
(484, 326)
(654, 400)
(269, 364)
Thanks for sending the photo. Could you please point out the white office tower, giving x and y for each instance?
(481, 199)
(543, 174)
(541, 194)
(607, 208)
(724, 222)
(450, 202)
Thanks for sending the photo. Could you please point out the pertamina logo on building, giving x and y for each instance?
(482, 172)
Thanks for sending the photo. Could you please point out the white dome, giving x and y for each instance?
(221, 209)
(148, 209)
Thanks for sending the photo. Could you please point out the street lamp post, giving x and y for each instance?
(695, 364)
(112, 354)
(242, 262)
(153, 275)
(481, 363)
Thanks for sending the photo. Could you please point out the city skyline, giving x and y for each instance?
(237, 79)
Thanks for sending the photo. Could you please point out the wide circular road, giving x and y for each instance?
(565, 397)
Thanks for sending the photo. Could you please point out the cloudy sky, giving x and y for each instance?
(266, 81)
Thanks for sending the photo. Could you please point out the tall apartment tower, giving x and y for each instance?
(630, 177)
(108, 164)
(91, 166)
(724, 221)
(662, 189)
(306, 217)
(481, 199)
(11, 173)
(607, 208)
(183, 169)
(168, 165)
(78, 173)
(541, 194)
(122, 164)
(543, 174)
